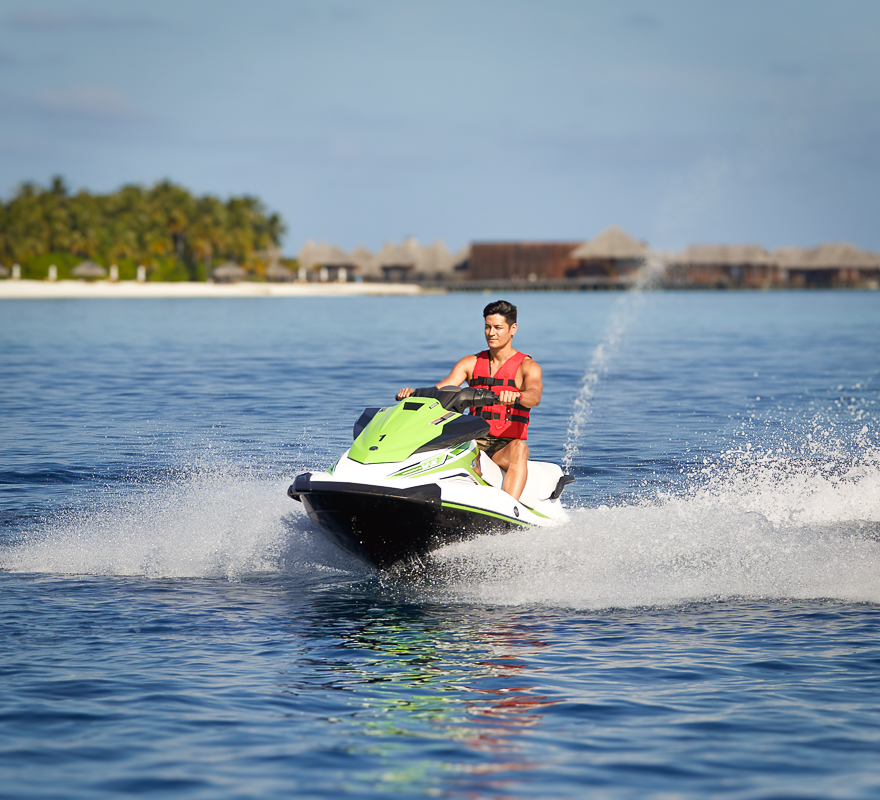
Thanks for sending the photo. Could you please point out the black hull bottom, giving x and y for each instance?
(386, 526)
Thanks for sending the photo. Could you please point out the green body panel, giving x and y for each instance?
(396, 432)
(454, 461)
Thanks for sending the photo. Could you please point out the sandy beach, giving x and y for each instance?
(67, 290)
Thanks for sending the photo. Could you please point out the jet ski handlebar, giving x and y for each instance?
(454, 398)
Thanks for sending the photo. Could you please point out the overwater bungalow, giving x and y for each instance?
(832, 264)
(521, 262)
(611, 254)
(724, 266)
(608, 261)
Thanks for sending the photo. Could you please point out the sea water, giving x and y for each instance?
(706, 623)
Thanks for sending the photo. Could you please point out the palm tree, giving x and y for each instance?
(136, 223)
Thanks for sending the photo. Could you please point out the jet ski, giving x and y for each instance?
(414, 480)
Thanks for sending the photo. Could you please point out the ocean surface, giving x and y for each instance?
(706, 623)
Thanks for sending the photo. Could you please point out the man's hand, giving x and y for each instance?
(407, 392)
(507, 397)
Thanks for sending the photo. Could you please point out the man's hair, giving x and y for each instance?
(507, 310)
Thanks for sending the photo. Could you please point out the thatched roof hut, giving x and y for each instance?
(830, 264)
(89, 270)
(435, 261)
(364, 262)
(322, 254)
(278, 273)
(610, 255)
(613, 243)
(830, 255)
(398, 262)
(723, 266)
(405, 254)
(230, 272)
(725, 255)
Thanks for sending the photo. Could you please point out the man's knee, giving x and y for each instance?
(521, 451)
(517, 452)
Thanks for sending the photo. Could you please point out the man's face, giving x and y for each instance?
(498, 332)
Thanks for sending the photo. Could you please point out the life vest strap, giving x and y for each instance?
(495, 415)
(490, 382)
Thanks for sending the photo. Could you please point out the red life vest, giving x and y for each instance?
(504, 421)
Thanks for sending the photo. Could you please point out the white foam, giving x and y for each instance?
(751, 525)
(757, 530)
(209, 523)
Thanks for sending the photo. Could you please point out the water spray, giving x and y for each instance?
(647, 277)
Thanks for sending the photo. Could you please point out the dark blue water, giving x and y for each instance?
(706, 623)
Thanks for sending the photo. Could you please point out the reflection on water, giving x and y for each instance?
(431, 688)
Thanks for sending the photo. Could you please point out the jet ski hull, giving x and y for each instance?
(385, 525)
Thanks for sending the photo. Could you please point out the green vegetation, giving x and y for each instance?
(175, 234)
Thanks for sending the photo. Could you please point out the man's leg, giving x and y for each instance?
(514, 458)
(481, 446)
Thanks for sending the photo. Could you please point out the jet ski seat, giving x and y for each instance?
(542, 483)
(492, 473)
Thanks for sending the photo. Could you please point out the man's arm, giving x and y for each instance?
(461, 372)
(532, 386)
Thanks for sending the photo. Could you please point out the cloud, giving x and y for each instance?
(86, 101)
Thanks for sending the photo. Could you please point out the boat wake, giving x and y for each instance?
(209, 523)
(755, 526)
(759, 525)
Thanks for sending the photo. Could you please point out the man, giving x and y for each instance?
(517, 380)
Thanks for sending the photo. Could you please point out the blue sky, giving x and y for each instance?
(362, 121)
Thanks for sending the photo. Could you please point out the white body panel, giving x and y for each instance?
(460, 489)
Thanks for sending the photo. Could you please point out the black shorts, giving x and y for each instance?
(492, 444)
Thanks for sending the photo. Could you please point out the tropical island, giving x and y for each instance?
(164, 234)
(172, 234)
